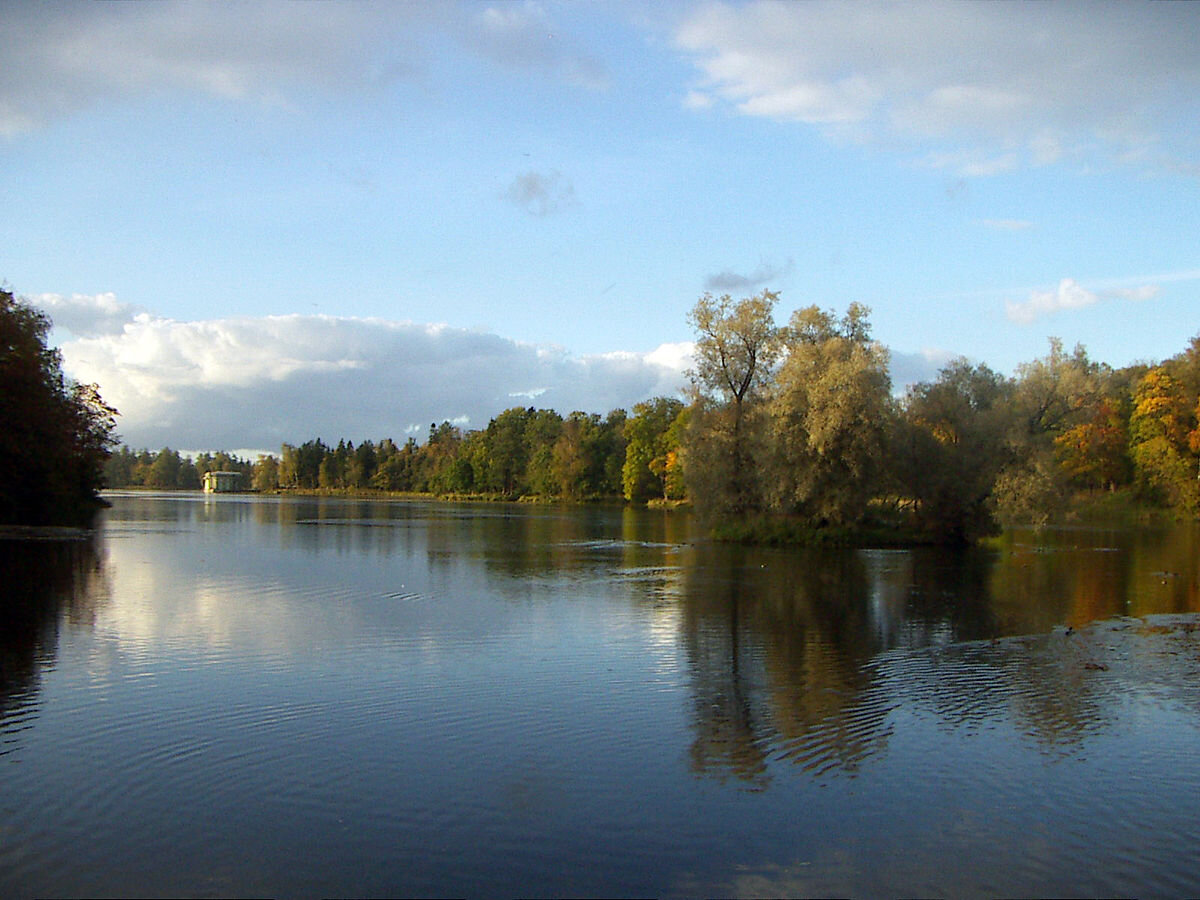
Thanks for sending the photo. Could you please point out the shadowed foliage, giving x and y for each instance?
(55, 435)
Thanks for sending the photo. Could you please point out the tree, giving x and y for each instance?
(542, 430)
(831, 418)
(649, 443)
(737, 345)
(55, 435)
(265, 474)
(398, 469)
(573, 456)
(507, 451)
(119, 469)
(1095, 453)
(1164, 439)
(1049, 397)
(440, 471)
(950, 448)
(673, 475)
(188, 478)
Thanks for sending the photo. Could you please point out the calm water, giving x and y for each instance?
(311, 697)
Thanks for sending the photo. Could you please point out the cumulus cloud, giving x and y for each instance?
(542, 194)
(985, 87)
(729, 280)
(63, 57)
(87, 315)
(258, 382)
(1070, 295)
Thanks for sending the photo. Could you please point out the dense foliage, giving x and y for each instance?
(793, 431)
(169, 469)
(523, 452)
(55, 434)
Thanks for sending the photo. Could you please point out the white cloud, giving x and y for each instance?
(673, 357)
(258, 382)
(1070, 295)
(981, 87)
(86, 315)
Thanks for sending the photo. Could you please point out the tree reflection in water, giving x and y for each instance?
(778, 659)
(800, 655)
(46, 582)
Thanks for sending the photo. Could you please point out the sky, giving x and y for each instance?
(257, 223)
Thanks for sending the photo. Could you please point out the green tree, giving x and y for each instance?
(572, 461)
(650, 442)
(542, 430)
(506, 451)
(439, 457)
(360, 466)
(164, 473)
(119, 468)
(188, 477)
(674, 476)
(398, 469)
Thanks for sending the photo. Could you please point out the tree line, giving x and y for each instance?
(169, 469)
(795, 427)
(793, 432)
(523, 452)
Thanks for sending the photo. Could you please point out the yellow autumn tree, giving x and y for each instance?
(1161, 428)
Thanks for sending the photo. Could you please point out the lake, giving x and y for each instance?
(304, 697)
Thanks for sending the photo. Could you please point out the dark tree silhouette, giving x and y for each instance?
(55, 435)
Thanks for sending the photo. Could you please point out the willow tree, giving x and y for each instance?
(737, 345)
(831, 418)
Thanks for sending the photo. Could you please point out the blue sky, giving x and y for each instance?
(256, 223)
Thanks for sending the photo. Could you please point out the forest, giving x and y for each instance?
(793, 432)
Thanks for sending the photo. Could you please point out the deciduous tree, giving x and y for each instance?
(737, 345)
(831, 418)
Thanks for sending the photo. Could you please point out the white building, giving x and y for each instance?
(221, 482)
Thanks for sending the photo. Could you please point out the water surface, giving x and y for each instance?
(310, 696)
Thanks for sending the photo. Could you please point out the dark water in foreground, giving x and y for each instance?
(312, 697)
